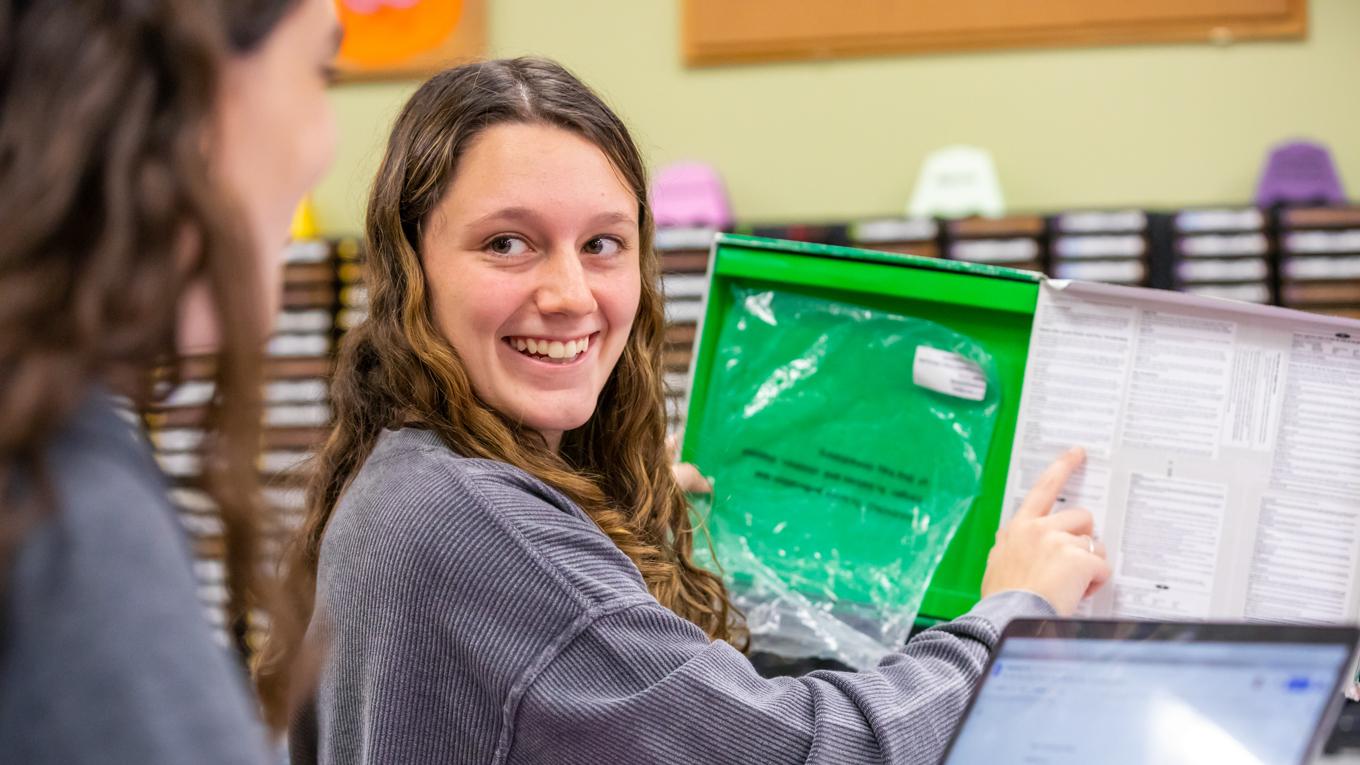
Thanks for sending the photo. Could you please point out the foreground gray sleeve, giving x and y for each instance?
(107, 655)
(475, 615)
(641, 685)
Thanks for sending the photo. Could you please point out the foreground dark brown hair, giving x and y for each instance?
(108, 211)
(397, 369)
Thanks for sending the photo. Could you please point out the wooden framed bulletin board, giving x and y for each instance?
(735, 31)
(400, 39)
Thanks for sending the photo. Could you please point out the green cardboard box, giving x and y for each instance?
(991, 305)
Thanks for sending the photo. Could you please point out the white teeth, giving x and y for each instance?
(553, 349)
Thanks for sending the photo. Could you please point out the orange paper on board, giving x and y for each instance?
(396, 38)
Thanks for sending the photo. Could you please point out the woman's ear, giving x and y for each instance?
(197, 331)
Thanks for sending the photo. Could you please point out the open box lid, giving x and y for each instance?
(992, 305)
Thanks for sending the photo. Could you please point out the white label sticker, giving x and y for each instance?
(948, 373)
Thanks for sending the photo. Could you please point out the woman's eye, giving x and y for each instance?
(603, 245)
(507, 246)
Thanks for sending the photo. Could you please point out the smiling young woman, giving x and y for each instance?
(496, 553)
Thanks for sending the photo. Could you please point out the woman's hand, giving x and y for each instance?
(687, 475)
(1052, 555)
(690, 479)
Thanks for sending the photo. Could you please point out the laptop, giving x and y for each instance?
(1072, 691)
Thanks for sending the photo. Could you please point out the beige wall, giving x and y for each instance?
(1145, 126)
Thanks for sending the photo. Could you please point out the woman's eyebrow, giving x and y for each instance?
(606, 218)
(527, 215)
(522, 214)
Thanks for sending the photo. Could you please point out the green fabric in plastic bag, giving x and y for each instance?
(845, 446)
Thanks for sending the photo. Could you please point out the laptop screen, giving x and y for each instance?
(1052, 701)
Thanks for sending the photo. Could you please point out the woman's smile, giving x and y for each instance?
(552, 351)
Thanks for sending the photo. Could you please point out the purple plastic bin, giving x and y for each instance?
(1299, 172)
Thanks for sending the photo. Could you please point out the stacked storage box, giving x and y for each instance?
(913, 236)
(1017, 241)
(684, 277)
(1223, 253)
(1097, 246)
(297, 373)
(1320, 259)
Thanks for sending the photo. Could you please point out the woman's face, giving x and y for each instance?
(276, 136)
(532, 264)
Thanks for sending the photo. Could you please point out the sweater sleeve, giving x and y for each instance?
(475, 615)
(108, 656)
(642, 685)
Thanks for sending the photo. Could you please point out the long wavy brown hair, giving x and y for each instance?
(396, 369)
(109, 211)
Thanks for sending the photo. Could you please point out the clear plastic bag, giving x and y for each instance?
(845, 446)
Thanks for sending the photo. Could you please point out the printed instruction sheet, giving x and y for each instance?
(1223, 450)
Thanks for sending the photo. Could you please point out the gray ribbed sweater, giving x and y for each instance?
(477, 615)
